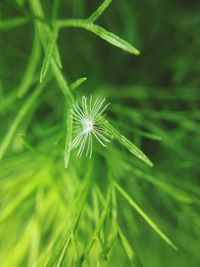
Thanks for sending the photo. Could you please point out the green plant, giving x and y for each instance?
(60, 210)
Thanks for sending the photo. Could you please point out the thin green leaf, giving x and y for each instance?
(63, 252)
(145, 216)
(77, 83)
(112, 38)
(101, 32)
(128, 248)
(126, 143)
(98, 12)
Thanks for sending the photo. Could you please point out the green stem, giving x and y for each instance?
(43, 31)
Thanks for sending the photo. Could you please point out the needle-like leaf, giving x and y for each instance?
(145, 216)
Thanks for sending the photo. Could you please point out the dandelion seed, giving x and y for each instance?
(86, 120)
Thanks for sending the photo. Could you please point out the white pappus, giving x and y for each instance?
(86, 125)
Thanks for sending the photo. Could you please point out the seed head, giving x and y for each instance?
(86, 125)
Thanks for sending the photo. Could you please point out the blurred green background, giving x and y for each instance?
(155, 100)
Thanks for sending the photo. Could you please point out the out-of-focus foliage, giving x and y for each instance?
(111, 210)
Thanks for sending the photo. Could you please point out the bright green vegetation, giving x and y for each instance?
(135, 202)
